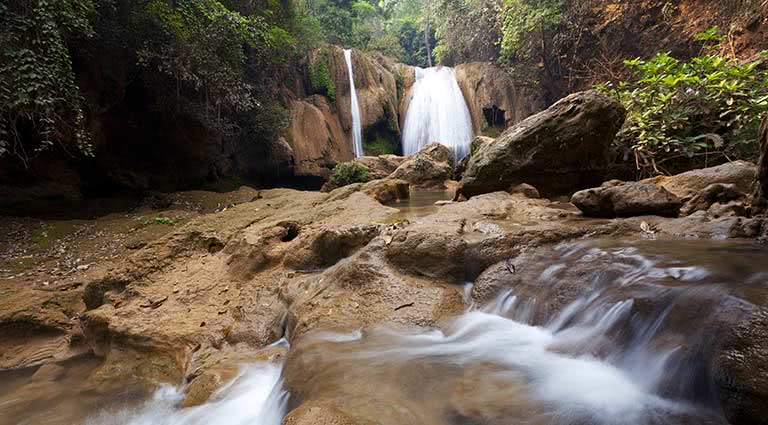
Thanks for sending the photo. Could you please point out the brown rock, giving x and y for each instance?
(316, 138)
(489, 90)
(381, 166)
(686, 185)
(387, 190)
(627, 200)
(717, 193)
(428, 168)
(562, 149)
(525, 189)
(322, 414)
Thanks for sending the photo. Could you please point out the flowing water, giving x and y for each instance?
(357, 129)
(588, 333)
(437, 112)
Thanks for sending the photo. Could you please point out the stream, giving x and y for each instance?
(631, 344)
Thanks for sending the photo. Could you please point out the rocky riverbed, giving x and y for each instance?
(184, 289)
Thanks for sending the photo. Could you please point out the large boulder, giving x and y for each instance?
(386, 190)
(477, 143)
(627, 200)
(493, 97)
(560, 150)
(429, 168)
(760, 193)
(687, 185)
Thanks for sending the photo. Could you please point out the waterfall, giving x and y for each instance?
(357, 129)
(437, 113)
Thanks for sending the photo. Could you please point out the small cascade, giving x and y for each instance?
(357, 129)
(437, 113)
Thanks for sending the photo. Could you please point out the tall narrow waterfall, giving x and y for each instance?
(437, 113)
(357, 129)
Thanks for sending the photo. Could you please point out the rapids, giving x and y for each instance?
(632, 345)
(437, 112)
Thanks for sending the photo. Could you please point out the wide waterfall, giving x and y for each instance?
(357, 129)
(437, 113)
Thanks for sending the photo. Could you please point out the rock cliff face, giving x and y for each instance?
(316, 137)
(494, 100)
(321, 123)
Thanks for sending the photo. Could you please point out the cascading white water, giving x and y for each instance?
(619, 352)
(437, 112)
(357, 129)
(256, 396)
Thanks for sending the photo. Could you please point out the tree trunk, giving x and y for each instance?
(426, 33)
(760, 194)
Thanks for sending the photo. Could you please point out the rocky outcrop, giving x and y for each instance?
(493, 97)
(380, 166)
(428, 168)
(560, 150)
(477, 143)
(627, 200)
(760, 194)
(717, 195)
(316, 138)
(376, 91)
(382, 190)
(386, 190)
(686, 185)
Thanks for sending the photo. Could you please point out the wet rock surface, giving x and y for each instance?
(192, 293)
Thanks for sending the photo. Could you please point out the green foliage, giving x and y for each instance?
(682, 109)
(320, 76)
(523, 20)
(387, 44)
(163, 220)
(215, 60)
(380, 146)
(399, 84)
(39, 95)
(203, 49)
(335, 21)
(349, 172)
(468, 30)
(410, 33)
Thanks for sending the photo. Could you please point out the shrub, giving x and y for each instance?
(685, 109)
(348, 173)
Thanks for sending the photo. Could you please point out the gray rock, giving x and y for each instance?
(560, 150)
(627, 200)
